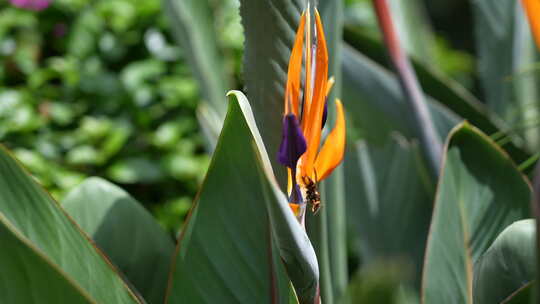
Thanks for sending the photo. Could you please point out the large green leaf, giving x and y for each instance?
(32, 269)
(506, 57)
(386, 187)
(192, 26)
(442, 88)
(45, 257)
(126, 232)
(480, 192)
(294, 245)
(507, 265)
(376, 104)
(269, 29)
(521, 296)
(448, 91)
(240, 228)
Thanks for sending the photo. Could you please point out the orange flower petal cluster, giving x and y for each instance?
(305, 112)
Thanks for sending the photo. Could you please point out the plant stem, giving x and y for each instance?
(430, 141)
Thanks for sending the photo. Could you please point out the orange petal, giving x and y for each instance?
(307, 80)
(532, 7)
(295, 208)
(292, 91)
(311, 124)
(333, 149)
(329, 85)
(309, 64)
(289, 181)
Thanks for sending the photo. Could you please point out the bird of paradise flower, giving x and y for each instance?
(305, 116)
(532, 8)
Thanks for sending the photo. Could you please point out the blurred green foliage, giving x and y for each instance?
(98, 88)
(442, 54)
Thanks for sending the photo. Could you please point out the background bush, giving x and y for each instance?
(97, 88)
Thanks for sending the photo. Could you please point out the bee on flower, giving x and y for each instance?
(304, 117)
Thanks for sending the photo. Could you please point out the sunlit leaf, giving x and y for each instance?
(241, 228)
(480, 192)
(45, 257)
(508, 265)
(126, 232)
(386, 187)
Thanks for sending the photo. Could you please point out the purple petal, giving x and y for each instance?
(296, 195)
(293, 143)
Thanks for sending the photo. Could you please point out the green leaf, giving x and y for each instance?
(375, 101)
(45, 257)
(480, 192)
(442, 88)
(294, 245)
(192, 25)
(386, 187)
(240, 228)
(269, 28)
(448, 91)
(521, 296)
(126, 232)
(507, 265)
(506, 63)
(31, 268)
(135, 170)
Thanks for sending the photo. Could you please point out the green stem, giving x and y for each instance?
(431, 144)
